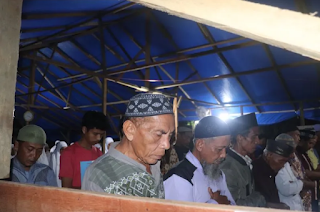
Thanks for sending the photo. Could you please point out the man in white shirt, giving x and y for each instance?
(198, 177)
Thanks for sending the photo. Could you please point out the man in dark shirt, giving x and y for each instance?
(266, 167)
(183, 140)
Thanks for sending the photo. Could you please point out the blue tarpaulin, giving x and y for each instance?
(273, 94)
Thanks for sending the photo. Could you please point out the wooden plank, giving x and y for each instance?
(10, 23)
(286, 29)
(29, 198)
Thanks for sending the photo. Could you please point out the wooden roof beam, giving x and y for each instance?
(170, 54)
(290, 65)
(44, 42)
(286, 29)
(167, 34)
(97, 15)
(209, 37)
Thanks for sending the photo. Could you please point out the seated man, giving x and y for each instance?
(25, 169)
(132, 166)
(265, 169)
(183, 140)
(198, 177)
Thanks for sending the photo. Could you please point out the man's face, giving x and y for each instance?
(214, 149)
(93, 136)
(249, 142)
(295, 135)
(28, 153)
(312, 142)
(318, 136)
(276, 161)
(151, 137)
(185, 138)
(212, 153)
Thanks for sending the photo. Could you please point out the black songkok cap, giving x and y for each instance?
(283, 145)
(289, 128)
(210, 127)
(243, 123)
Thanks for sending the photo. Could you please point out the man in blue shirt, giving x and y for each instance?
(24, 167)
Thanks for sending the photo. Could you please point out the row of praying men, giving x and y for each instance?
(220, 163)
(34, 163)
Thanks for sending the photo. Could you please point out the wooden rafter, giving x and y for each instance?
(69, 59)
(46, 70)
(93, 59)
(56, 118)
(152, 60)
(40, 45)
(167, 34)
(209, 37)
(99, 14)
(75, 117)
(170, 54)
(279, 74)
(290, 65)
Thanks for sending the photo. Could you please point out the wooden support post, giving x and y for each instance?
(267, 24)
(105, 82)
(302, 120)
(32, 76)
(175, 112)
(10, 23)
(104, 107)
(147, 49)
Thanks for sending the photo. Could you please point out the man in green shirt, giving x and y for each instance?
(132, 165)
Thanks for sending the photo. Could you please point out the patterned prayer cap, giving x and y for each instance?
(147, 104)
(308, 134)
(283, 145)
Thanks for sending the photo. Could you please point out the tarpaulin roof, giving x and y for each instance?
(61, 43)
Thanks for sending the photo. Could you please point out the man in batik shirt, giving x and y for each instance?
(132, 166)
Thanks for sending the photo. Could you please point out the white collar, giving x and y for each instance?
(190, 157)
(246, 158)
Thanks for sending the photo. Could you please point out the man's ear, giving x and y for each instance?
(199, 144)
(84, 130)
(239, 138)
(129, 129)
(268, 156)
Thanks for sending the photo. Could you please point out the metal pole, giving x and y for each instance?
(302, 120)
